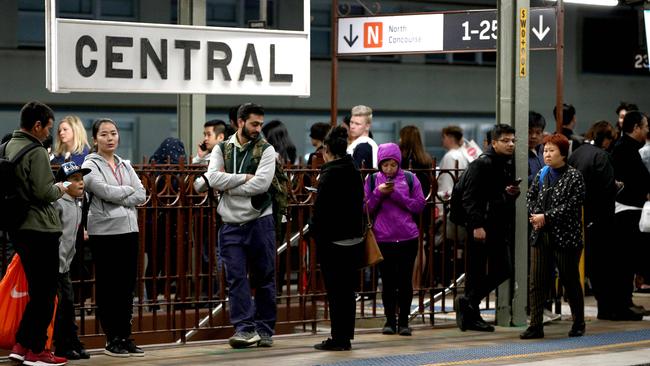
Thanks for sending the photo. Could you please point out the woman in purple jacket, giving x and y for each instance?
(392, 204)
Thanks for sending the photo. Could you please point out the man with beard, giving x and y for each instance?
(242, 168)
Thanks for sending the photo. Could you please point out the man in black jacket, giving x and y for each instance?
(593, 161)
(568, 126)
(489, 194)
(625, 258)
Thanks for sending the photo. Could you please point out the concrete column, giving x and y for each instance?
(191, 107)
(512, 108)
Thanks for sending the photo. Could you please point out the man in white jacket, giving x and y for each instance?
(242, 168)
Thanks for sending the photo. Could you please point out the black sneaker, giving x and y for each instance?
(265, 341)
(116, 348)
(81, 350)
(332, 345)
(133, 350)
(69, 354)
(389, 328)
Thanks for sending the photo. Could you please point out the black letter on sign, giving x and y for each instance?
(112, 57)
(81, 43)
(250, 70)
(220, 63)
(187, 47)
(147, 51)
(278, 77)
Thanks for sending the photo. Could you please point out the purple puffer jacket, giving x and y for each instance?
(392, 213)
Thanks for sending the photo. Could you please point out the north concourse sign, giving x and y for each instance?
(102, 56)
(466, 31)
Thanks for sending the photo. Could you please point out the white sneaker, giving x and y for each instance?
(550, 316)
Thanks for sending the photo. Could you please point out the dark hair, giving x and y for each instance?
(346, 119)
(232, 113)
(498, 130)
(633, 118)
(278, 136)
(270, 125)
(568, 112)
(627, 106)
(337, 141)
(98, 122)
(599, 132)
(560, 141)
(453, 131)
(411, 146)
(246, 109)
(318, 130)
(218, 126)
(35, 111)
(536, 120)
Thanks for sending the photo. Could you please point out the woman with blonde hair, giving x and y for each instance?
(71, 141)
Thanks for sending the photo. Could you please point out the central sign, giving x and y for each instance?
(467, 31)
(98, 56)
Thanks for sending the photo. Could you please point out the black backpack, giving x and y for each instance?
(14, 207)
(457, 212)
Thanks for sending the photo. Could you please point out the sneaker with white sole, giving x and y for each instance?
(243, 339)
(18, 352)
(45, 358)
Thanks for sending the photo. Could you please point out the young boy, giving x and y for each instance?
(66, 342)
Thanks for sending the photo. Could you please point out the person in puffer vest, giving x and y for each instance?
(392, 204)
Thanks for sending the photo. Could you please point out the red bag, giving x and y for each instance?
(13, 300)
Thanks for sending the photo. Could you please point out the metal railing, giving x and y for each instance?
(180, 293)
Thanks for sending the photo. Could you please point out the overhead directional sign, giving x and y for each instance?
(437, 32)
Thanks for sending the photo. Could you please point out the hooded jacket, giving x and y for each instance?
(112, 210)
(69, 210)
(36, 184)
(393, 213)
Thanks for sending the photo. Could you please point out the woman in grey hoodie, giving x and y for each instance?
(116, 190)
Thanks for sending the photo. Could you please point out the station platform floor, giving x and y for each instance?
(606, 343)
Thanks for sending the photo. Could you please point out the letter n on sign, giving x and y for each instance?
(372, 34)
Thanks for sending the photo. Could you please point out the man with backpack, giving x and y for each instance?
(35, 229)
(489, 189)
(243, 169)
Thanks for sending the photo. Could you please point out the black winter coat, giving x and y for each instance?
(562, 210)
(629, 169)
(598, 173)
(338, 210)
(485, 200)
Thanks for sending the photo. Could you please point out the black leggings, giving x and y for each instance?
(396, 272)
(115, 271)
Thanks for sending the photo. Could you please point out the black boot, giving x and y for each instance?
(577, 330)
(533, 332)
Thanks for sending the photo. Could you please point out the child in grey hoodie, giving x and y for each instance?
(66, 340)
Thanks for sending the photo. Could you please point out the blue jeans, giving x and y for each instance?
(250, 244)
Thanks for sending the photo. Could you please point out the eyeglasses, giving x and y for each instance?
(507, 141)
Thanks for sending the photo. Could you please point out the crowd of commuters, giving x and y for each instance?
(606, 172)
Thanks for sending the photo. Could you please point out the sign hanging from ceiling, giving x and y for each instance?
(101, 56)
(467, 31)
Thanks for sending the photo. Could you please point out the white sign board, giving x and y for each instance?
(390, 34)
(101, 56)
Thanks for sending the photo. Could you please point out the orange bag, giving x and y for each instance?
(13, 300)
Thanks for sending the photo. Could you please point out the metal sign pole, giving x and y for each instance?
(335, 65)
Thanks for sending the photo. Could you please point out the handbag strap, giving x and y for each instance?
(365, 205)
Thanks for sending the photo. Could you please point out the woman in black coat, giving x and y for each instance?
(338, 230)
(554, 204)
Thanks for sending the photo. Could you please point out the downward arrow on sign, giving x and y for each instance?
(539, 33)
(351, 40)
